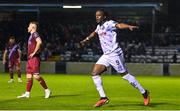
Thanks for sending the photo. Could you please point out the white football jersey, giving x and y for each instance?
(108, 37)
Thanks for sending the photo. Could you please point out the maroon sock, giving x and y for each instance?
(19, 73)
(29, 84)
(42, 82)
(11, 73)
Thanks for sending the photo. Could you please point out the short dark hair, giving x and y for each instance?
(12, 37)
(105, 13)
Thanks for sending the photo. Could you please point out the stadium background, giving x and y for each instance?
(156, 41)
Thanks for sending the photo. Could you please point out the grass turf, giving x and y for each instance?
(77, 92)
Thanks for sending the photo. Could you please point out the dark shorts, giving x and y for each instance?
(13, 63)
(33, 66)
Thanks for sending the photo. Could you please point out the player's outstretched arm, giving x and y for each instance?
(4, 56)
(88, 38)
(126, 26)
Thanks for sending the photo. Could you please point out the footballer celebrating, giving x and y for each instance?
(112, 55)
(14, 57)
(33, 63)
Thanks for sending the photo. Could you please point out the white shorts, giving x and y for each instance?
(117, 61)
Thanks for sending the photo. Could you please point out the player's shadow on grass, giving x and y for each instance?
(152, 105)
(29, 99)
(161, 103)
(65, 95)
(12, 100)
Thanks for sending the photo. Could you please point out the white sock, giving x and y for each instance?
(27, 93)
(47, 90)
(98, 82)
(132, 80)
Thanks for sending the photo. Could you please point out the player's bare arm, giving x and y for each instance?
(19, 52)
(126, 26)
(38, 45)
(4, 56)
(88, 38)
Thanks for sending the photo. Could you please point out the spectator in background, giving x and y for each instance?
(174, 57)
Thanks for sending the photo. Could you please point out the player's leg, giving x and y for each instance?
(18, 69)
(98, 69)
(29, 77)
(11, 73)
(43, 84)
(132, 80)
(41, 80)
(29, 84)
(36, 71)
(119, 66)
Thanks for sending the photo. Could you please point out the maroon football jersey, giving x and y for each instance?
(32, 43)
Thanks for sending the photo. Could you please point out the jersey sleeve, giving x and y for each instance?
(36, 35)
(97, 28)
(112, 24)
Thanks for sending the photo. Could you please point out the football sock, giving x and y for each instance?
(42, 82)
(19, 73)
(11, 73)
(98, 83)
(29, 84)
(27, 93)
(132, 80)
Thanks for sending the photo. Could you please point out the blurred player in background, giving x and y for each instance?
(112, 55)
(13, 52)
(33, 63)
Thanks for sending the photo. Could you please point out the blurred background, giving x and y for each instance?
(156, 41)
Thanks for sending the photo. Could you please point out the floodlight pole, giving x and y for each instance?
(153, 30)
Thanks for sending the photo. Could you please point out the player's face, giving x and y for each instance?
(99, 16)
(11, 41)
(30, 28)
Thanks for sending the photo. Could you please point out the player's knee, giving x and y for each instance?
(18, 68)
(95, 73)
(36, 77)
(28, 76)
(10, 69)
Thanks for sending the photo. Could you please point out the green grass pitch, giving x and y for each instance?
(77, 92)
